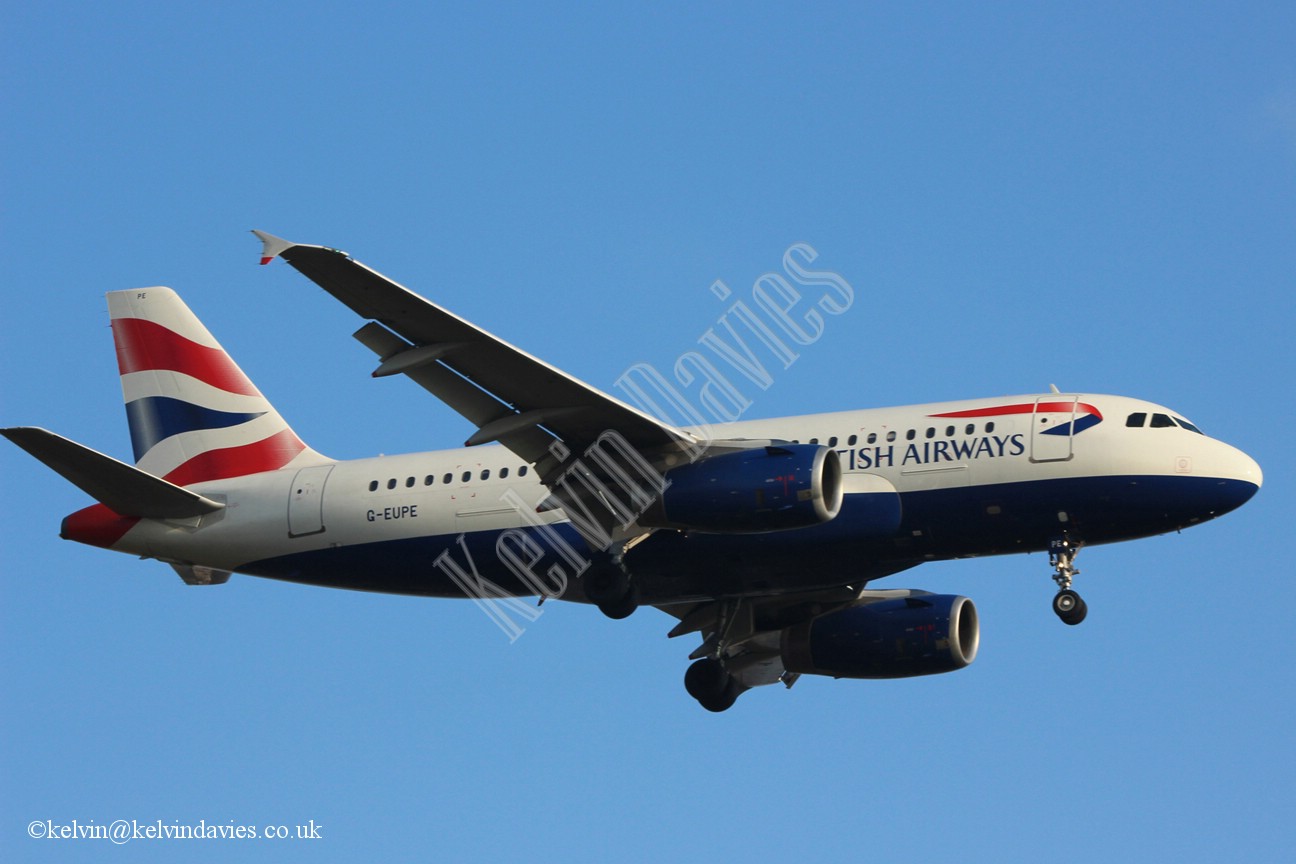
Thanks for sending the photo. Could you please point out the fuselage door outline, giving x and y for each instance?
(1052, 412)
(306, 501)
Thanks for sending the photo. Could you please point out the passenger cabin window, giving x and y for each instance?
(850, 442)
(467, 475)
(429, 480)
(909, 436)
(832, 442)
(1161, 421)
(872, 438)
(1136, 420)
(891, 436)
(409, 482)
(522, 472)
(949, 431)
(391, 484)
(969, 429)
(989, 427)
(931, 432)
(485, 475)
(503, 473)
(447, 478)
(373, 485)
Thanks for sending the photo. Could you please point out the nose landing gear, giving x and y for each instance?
(1067, 604)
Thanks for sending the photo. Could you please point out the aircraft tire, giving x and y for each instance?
(606, 585)
(1070, 607)
(714, 688)
(622, 608)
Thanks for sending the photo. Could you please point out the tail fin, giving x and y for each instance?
(193, 414)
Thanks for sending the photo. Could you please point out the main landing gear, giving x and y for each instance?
(711, 685)
(1067, 604)
(711, 680)
(610, 587)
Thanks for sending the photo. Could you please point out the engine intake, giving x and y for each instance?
(922, 634)
(773, 488)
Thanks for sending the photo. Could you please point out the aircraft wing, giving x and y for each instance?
(511, 396)
(542, 414)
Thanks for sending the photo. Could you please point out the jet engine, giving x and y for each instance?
(921, 634)
(771, 488)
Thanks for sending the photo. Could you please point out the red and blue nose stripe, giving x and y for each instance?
(1087, 416)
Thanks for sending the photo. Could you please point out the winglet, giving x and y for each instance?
(271, 246)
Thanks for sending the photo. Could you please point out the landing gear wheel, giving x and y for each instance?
(611, 589)
(622, 608)
(713, 687)
(1067, 604)
(1070, 607)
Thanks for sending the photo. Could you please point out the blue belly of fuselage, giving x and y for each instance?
(672, 565)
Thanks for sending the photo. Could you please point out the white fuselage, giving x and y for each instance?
(316, 523)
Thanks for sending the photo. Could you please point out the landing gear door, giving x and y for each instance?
(1051, 426)
(306, 501)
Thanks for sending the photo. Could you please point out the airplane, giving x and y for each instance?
(764, 537)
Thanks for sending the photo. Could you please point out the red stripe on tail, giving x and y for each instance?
(96, 525)
(143, 346)
(268, 454)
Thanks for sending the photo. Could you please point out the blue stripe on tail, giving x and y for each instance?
(156, 418)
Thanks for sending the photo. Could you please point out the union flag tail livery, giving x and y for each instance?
(193, 415)
(194, 418)
(761, 537)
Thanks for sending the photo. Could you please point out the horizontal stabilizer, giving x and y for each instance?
(124, 489)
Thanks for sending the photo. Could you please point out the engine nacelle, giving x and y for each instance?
(921, 634)
(771, 488)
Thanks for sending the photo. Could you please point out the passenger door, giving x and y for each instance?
(1051, 425)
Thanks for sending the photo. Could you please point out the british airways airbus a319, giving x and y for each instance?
(761, 536)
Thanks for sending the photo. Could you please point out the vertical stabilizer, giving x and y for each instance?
(193, 414)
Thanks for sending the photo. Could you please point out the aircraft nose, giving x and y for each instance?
(1250, 470)
(1241, 478)
(1239, 466)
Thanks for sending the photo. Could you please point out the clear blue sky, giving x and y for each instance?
(1022, 194)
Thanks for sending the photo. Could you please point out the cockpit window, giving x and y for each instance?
(1138, 420)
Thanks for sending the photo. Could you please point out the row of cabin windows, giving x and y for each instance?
(871, 438)
(1139, 419)
(931, 432)
(448, 478)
